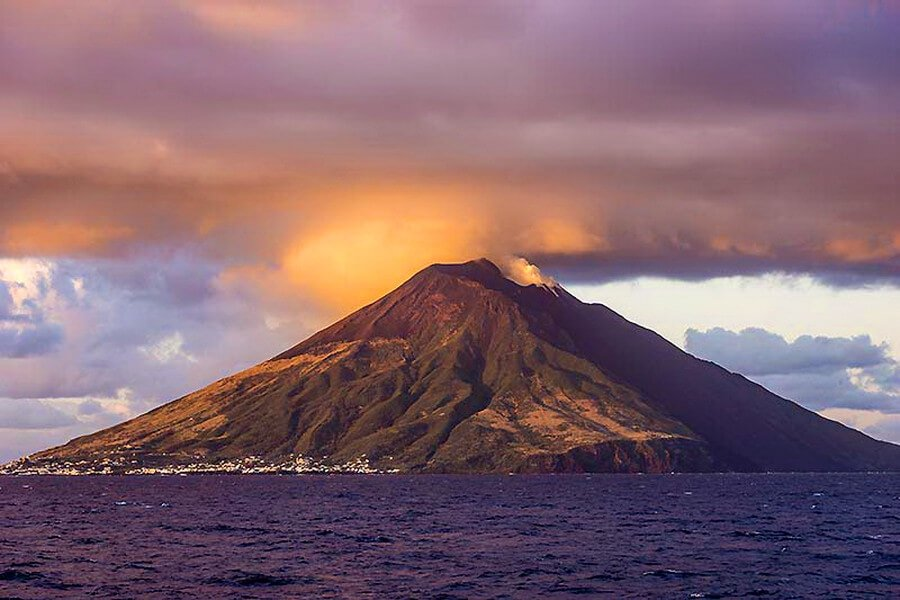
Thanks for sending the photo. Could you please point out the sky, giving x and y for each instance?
(188, 187)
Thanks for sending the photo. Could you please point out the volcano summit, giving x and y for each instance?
(460, 369)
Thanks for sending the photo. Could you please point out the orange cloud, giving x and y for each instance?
(864, 250)
(560, 236)
(360, 240)
(47, 239)
(348, 265)
(728, 245)
(244, 17)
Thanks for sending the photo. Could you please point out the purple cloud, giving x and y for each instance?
(818, 372)
(755, 351)
(31, 414)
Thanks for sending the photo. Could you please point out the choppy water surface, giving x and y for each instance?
(450, 536)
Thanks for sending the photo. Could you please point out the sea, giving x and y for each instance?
(436, 536)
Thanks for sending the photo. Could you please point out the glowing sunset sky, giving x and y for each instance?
(189, 187)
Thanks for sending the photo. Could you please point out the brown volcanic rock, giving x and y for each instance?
(462, 370)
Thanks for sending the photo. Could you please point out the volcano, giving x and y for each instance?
(462, 370)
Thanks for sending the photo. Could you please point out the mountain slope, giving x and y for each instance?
(462, 370)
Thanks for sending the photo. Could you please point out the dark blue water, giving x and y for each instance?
(450, 536)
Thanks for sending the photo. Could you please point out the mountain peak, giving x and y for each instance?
(479, 267)
(480, 270)
(516, 273)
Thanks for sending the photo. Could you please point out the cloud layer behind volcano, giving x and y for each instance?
(600, 140)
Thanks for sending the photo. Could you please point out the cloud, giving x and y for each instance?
(31, 414)
(168, 348)
(54, 238)
(90, 407)
(361, 254)
(31, 424)
(882, 426)
(559, 236)
(24, 330)
(6, 303)
(755, 351)
(837, 389)
(821, 373)
(244, 17)
(31, 340)
(137, 325)
(745, 139)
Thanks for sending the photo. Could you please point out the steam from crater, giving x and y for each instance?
(524, 273)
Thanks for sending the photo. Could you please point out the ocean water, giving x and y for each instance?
(429, 536)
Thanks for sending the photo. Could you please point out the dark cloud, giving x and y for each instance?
(408, 58)
(6, 303)
(30, 340)
(835, 389)
(818, 372)
(169, 279)
(24, 332)
(755, 351)
(696, 261)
